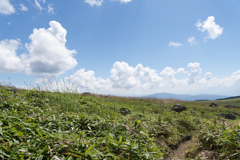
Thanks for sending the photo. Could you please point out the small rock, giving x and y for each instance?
(178, 108)
(231, 106)
(213, 105)
(14, 90)
(236, 113)
(227, 116)
(86, 93)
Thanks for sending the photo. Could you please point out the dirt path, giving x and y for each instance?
(179, 153)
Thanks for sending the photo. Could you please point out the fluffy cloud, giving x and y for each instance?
(181, 70)
(194, 73)
(48, 53)
(23, 8)
(47, 56)
(94, 2)
(123, 76)
(234, 79)
(168, 72)
(174, 44)
(9, 61)
(87, 80)
(6, 8)
(168, 77)
(149, 77)
(211, 27)
(207, 80)
(123, 1)
(191, 40)
(127, 77)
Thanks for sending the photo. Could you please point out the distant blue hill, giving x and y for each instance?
(186, 97)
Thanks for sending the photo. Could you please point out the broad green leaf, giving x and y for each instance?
(12, 154)
(40, 157)
(120, 140)
(89, 149)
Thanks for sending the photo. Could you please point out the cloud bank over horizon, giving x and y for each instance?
(125, 79)
(48, 56)
(139, 80)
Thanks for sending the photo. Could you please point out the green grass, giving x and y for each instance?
(66, 125)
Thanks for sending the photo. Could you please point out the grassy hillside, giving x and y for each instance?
(233, 101)
(53, 125)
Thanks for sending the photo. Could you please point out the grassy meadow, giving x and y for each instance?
(39, 125)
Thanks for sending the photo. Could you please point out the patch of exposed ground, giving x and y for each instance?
(189, 150)
(180, 152)
(208, 155)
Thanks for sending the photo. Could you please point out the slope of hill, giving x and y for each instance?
(186, 97)
(229, 98)
(63, 125)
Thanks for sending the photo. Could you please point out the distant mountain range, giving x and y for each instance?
(186, 97)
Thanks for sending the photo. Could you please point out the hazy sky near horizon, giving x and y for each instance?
(122, 47)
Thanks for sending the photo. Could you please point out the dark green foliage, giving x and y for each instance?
(217, 135)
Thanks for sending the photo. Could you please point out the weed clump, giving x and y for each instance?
(124, 111)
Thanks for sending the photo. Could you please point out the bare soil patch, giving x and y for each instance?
(180, 152)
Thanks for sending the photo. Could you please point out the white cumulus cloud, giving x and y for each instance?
(181, 70)
(23, 8)
(168, 77)
(94, 2)
(9, 61)
(211, 27)
(235, 78)
(6, 7)
(194, 73)
(175, 44)
(124, 76)
(48, 53)
(168, 71)
(87, 80)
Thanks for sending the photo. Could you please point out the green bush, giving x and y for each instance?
(216, 135)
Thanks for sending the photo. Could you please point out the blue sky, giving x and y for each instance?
(122, 47)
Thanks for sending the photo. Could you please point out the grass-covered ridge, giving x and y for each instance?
(54, 125)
